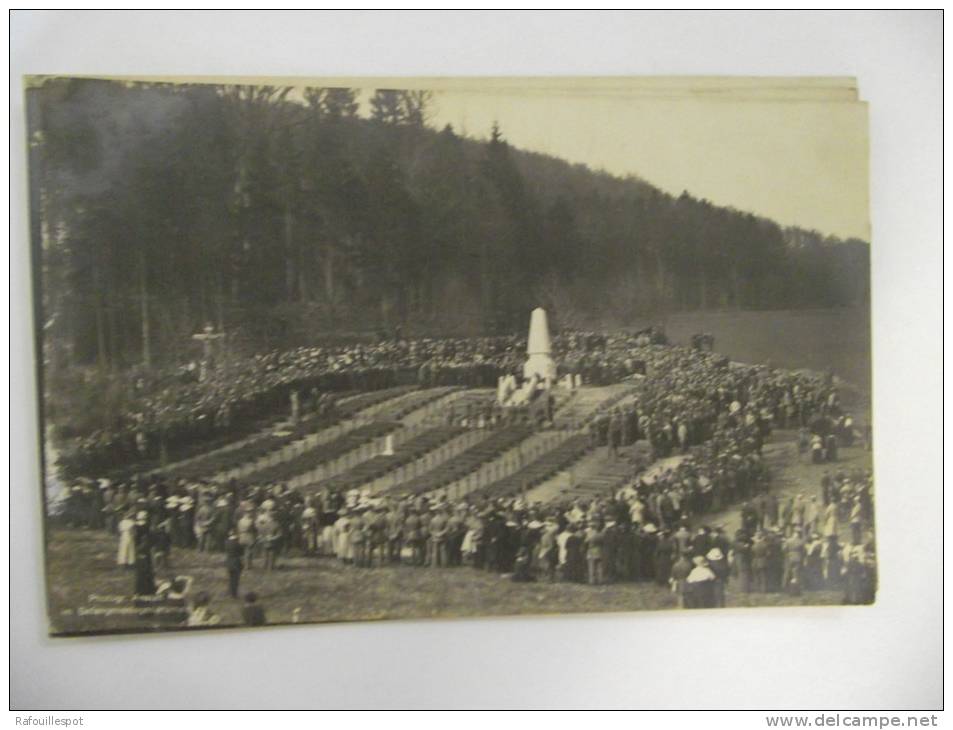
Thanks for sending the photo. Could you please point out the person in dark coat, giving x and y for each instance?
(162, 544)
(615, 434)
(649, 543)
(759, 562)
(664, 550)
(741, 560)
(522, 570)
(623, 553)
(830, 448)
(576, 557)
(813, 563)
(868, 591)
(700, 585)
(751, 520)
(635, 553)
(771, 512)
(610, 549)
(775, 561)
(855, 577)
(145, 579)
(680, 572)
(701, 543)
(233, 563)
(718, 563)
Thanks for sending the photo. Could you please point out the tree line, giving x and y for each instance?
(282, 216)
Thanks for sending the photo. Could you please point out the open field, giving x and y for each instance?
(326, 591)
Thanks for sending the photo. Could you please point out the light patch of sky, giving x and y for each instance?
(799, 162)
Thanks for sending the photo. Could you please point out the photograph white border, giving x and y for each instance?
(882, 657)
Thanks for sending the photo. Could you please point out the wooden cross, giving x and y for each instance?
(207, 337)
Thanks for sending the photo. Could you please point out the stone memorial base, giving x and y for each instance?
(543, 367)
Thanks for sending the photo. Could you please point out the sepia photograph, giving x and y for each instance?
(349, 349)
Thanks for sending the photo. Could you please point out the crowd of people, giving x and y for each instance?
(167, 413)
(710, 415)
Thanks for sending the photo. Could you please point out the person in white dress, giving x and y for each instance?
(127, 545)
(342, 542)
(830, 520)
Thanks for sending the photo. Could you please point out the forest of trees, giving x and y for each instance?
(283, 217)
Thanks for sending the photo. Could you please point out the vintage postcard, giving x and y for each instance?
(347, 349)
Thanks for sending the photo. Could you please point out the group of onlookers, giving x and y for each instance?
(713, 415)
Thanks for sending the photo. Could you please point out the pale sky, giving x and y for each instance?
(801, 163)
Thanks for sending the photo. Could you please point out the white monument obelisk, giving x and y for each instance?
(540, 350)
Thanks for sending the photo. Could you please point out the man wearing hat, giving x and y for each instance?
(701, 542)
(376, 526)
(718, 563)
(438, 538)
(456, 531)
(683, 539)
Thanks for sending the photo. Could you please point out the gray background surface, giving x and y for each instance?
(887, 656)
